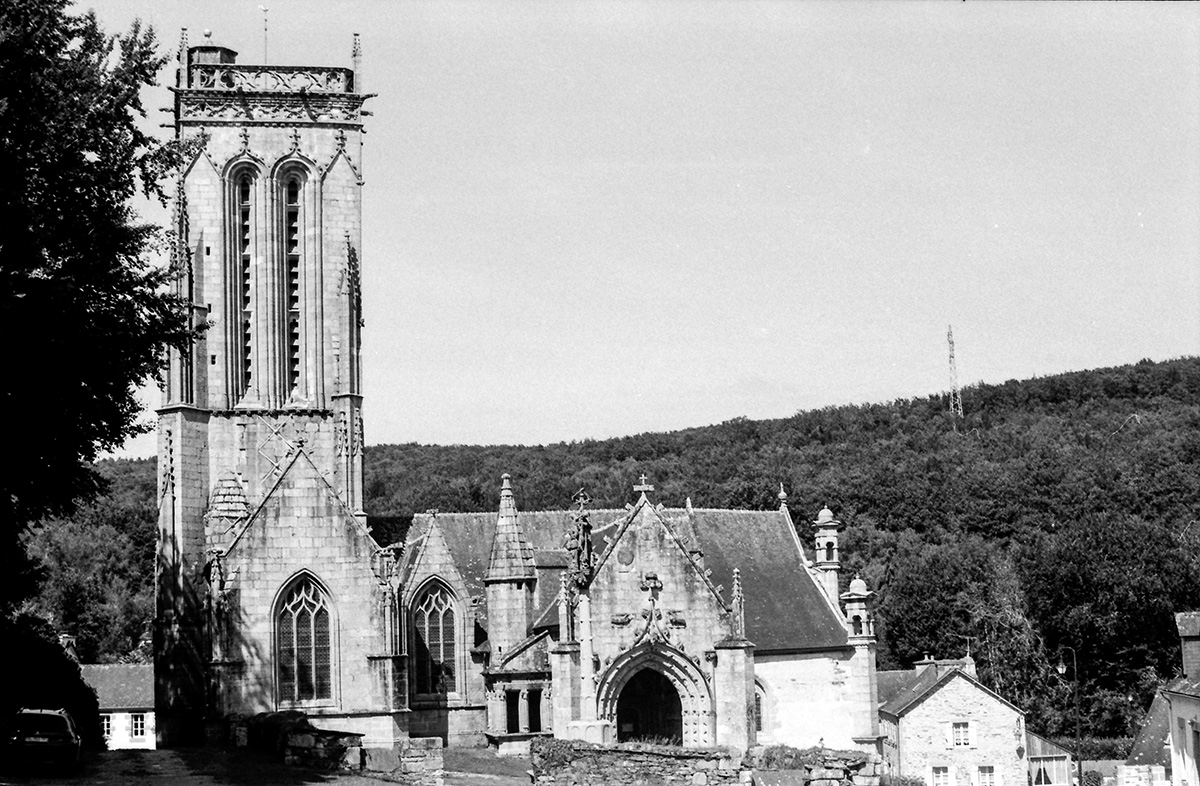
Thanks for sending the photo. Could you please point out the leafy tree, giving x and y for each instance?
(87, 315)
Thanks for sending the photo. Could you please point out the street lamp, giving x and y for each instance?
(1062, 670)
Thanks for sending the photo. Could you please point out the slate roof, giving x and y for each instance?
(905, 694)
(121, 686)
(1151, 744)
(785, 608)
(1184, 687)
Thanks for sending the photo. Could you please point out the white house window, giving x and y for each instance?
(961, 734)
(137, 726)
(1050, 770)
(106, 723)
(435, 642)
(987, 776)
(941, 776)
(305, 658)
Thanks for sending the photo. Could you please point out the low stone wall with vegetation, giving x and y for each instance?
(820, 766)
(573, 763)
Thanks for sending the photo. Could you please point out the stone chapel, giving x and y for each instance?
(692, 626)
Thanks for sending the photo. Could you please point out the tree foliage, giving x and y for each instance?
(87, 319)
(87, 315)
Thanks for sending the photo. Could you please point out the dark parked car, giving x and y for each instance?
(47, 736)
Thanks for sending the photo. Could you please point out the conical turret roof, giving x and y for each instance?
(511, 556)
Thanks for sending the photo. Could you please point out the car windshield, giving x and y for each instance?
(41, 724)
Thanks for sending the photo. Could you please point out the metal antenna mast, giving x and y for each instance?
(955, 397)
(264, 10)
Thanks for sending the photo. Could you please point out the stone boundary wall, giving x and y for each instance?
(573, 763)
(416, 761)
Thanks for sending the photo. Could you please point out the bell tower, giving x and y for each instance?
(267, 250)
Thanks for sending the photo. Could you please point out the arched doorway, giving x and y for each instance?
(649, 708)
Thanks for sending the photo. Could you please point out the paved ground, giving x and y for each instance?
(216, 767)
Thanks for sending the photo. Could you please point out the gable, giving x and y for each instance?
(954, 688)
(304, 512)
(785, 608)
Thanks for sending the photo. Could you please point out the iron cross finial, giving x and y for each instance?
(643, 486)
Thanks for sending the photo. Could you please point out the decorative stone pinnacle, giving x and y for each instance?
(505, 485)
(782, 494)
(356, 51)
(643, 486)
(296, 139)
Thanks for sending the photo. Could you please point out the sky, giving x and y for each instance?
(594, 219)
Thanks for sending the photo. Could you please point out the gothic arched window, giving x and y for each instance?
(291, 189)
(305, 655)
(241, 306)
(435, 642)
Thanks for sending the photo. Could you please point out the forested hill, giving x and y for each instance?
(1029, 454)
(1062, 511)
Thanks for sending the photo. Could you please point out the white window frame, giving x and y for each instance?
(933, 775)
(137, 719)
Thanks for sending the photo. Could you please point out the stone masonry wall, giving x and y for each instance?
(997, 731)
(574, 763)
(808, 698)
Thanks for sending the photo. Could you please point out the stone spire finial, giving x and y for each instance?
(738, 606)
(511, 557)
(782, 495)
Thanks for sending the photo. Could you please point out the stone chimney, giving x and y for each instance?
(1188, 623)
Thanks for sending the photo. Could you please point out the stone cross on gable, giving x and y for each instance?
(643, 486)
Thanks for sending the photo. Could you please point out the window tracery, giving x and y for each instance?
(305, 662)
(435, 642)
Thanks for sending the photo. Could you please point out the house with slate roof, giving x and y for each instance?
(692, 625)
(941, 724)
(126, 695)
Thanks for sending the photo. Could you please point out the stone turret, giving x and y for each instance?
(510, 579)
(863, 680)
(825, 544)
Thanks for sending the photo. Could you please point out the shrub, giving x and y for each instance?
(900, 780)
